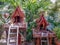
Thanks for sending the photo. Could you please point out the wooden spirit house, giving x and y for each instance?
(42, 35)
(17, 20)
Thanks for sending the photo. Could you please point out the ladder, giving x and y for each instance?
(13, 36)
(44, 40)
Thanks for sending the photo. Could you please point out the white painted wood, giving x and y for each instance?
(46, 41)
(13, 39)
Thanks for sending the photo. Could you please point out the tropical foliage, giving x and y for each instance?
(57, 31)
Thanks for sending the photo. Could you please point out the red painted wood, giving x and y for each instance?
(41, 20)
(38, 41)
(17, 21)
(58, 43)
(50, 41)
(18, 11)
(19, 39)
(50, 36)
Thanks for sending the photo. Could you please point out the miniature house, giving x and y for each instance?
(41, 35)
(18, 18)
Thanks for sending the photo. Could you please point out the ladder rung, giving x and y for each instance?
(12, 44)
(12, 37)
(44, 40)
(11, 41)
(13, 33)
(13, 28)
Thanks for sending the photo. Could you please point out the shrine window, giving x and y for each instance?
(17, 19)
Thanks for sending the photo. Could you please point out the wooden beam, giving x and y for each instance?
(38, 41)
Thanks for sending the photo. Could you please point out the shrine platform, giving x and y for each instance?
(20, 25)
(43, 33)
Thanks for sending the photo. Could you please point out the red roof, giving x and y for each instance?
(18, 12)
(43, 20)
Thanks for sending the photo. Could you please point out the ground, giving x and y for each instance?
(2, 43)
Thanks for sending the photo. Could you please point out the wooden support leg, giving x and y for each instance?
(6, 35)
(50, 41)
(38, 41)
(19, 39)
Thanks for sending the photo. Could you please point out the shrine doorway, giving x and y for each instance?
(17, 19)
(41, 27)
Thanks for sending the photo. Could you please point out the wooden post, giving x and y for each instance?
(38, 41)
(6, 34)
(19, 39)
(50, 41)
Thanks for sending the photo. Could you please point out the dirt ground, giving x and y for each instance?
(3, 44)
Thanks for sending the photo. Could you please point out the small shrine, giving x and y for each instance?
(17, 20)
(42, 35)
(17, 26)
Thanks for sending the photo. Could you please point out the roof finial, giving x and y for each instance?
(42, 13)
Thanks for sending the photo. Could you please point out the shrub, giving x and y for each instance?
(57, 31)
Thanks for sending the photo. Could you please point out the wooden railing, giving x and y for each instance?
(21, 25)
